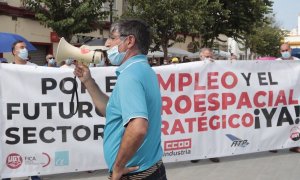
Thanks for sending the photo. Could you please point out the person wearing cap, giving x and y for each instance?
(175, 60)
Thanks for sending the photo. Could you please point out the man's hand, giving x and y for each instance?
(118, 172)
(82, 72)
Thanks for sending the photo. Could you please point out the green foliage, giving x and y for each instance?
(206, 19)
(265, 40)
(168, 18)
(68, 17)
(233, 18)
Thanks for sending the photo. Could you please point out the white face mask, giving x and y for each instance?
(115, 57)
(286, 54)
(69, 61)
(101, 63)
(23, 54)
(52, 61)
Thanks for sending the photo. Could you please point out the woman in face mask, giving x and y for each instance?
(50, 61)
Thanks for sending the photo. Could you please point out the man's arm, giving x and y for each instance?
(99, 98)
(133, 137)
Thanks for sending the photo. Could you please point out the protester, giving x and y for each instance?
(68, 63)
(206, 54)
(154, 62)
(20, 53)
(233, 57)
(132, 134)
(286, 51)
(165, 62)
(175, 60)
(185, 59)
(50, 61)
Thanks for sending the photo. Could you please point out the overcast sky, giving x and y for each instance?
(287, 12)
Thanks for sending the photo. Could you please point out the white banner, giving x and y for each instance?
(210, 109)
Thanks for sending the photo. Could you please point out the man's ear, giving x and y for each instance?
(131, 41)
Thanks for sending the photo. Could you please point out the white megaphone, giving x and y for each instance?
(83, 54)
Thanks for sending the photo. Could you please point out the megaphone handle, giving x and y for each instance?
(74, 92)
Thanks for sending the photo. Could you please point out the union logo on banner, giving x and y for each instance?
(14, 161)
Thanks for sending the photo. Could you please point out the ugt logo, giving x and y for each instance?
(62, 158)
(237, 142)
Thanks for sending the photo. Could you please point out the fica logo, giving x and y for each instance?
(237, 142)
(62, 158)
(295, 133)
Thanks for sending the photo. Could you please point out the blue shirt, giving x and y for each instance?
(136, 94)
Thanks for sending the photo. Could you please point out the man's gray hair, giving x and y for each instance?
(139, 29)
(205, 49)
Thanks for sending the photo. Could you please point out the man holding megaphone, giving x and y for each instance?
(133, 111)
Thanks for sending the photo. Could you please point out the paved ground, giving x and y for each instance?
(283, 165)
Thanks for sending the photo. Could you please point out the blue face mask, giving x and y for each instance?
(101, 63)
(115, 57)
(69, 62)
(52, 61)
(286, 54)
(23, 54)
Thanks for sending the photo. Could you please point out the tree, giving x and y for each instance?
(69, 17)
(266, 39)
(167, 18)
(233, 18)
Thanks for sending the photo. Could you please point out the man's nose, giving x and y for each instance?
(107, 43)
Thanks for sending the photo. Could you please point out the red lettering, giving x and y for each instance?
(170, 82)
(214, 123)
(185, 79)
(256, 99)
(165, 127)
(231, 119)
(250, 121)
(197, 82)
(190, 122)
(281, 98)
(202, 125)
(211, 80)
(177, 127)
(244, 101)
(199, 103)
(291, 100)
(214, 104)
(179, 101)
(227, 100)
(166, 105)
(225, 84)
